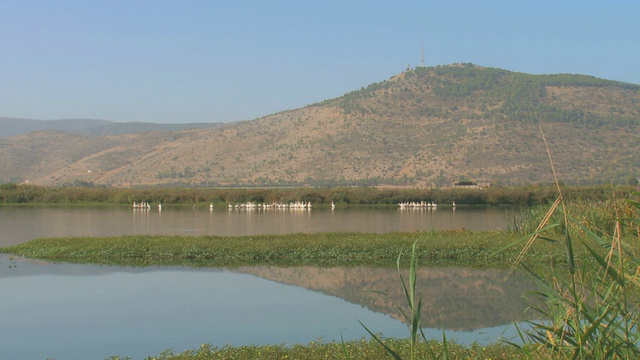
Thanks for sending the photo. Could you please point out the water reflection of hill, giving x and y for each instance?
(453, 298)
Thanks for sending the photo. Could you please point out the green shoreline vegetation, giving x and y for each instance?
(436, 248)
(526, 196)
(356, 349)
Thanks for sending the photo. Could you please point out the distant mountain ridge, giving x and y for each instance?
(423, 127)
(17, 126)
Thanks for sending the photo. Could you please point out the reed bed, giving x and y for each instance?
(600, 216)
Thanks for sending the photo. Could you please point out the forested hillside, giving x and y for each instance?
(503, 95)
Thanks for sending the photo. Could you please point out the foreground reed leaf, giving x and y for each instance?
(569, 247)
(634, 203)
(345, 353)
(385, 346)
(613, 273)
(538, 233)
(445, 347)
(605, 244)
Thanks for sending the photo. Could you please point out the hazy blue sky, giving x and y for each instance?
(210, 61)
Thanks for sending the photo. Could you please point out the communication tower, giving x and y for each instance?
(422, 55)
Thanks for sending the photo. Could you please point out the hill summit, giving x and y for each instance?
(426, 126)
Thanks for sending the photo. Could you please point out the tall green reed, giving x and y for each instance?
(590, 308)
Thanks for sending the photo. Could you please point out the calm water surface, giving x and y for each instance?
(20, 224)
(67, 311)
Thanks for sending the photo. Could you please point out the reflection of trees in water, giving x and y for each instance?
(453, 298)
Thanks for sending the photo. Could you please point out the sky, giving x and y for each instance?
(223, 61)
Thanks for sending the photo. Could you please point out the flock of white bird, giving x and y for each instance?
(418, 205)
(300, 205)
(141, 206)
(297, 205)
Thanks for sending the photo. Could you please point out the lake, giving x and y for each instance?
(23, 223)
(69, 311)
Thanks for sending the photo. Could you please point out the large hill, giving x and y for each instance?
(424, 127)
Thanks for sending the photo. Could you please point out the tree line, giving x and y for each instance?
(357, 195)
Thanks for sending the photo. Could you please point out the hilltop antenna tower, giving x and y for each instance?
(422, 55)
